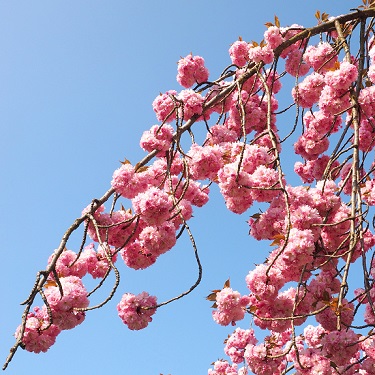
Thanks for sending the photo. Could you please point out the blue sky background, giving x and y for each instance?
(77, 79)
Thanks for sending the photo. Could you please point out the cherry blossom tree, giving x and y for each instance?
(316, 316)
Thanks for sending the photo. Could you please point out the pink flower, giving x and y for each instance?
(129, 183)
(371, 72)
(368, 192)
(323, 122)
(157, 138)
(165, 106)
(234, 186)
(237, 342)
(239, 53)
(366, 100)
(256, 357)
(294, 64)
(190, 190)
(264, 183)
(220, 134)
(311, 144)
(288, 33)
(321, 58)
(63, 306)
(230, 307)
(342, 78)
(204, 162)
(368, 345)
(68, 264)
(340, 346)
(328, 317)
(307, 93)
(311, 361)
(314, 169)
(136, 310)
(116, 228)
(97, 261)
(255, 113)
(75, 294)
(181, 213)
(273, 82)
(313, 335)
(306, 217)
(154, 205)
(265, 285)
(367, 134)
(273, 37)
(191, 70)
(259, 53)
(37, 337)
(191, 104)
(158, 240)
(222, 367)
(137, 257)
(332, 102)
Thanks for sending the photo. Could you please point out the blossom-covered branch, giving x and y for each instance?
(318, 228)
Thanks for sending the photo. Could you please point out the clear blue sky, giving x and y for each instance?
(77, 79)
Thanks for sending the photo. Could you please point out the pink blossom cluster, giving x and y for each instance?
(90, 261)
(157, 138)
(242, 347)
(184, 105)
(191, 70)
(237, 343)
(239, 52)
(230, 305)
(63, 307)
(321, 58)
(62, 312)
(136, 310)
(40, 334)
(161, 204)
(336, 348)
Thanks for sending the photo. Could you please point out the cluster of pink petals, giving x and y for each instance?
(314, 169)
(258, 53)
(273, 37)
(136, 310)
(191, 104)
(44, 324)
(39, 334)
(116, 229)
(99, 261)
(321, 58)
(237, 342)
(154, 205)
(308, 92)
(239, 52)
(294, 65)
(204, 162)
(90, 261)
(63, 307)
(222, 367)
(128, 183)
(157, 138)
(230, 307)
(342, 78)
(256, 357)
(164, 106)
(191, 70)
